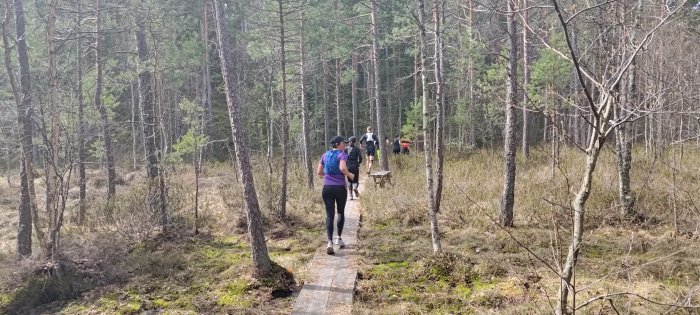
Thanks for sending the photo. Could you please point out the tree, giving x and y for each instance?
(261, 260)
(605, 88)
(282, 206)
(508, 196)
(28, 211)
(377, 86)
(427, 146)
(304, 111)
(100, 106)
(526, 81)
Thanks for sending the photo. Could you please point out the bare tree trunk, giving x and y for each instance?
(28, 211)
(337, 96)
(624, 139)
(427, 146)
(52, 152)
(304, 111)
(326, 118)
(82, 154)
(151, 126)
(354, 93)
(508, 197)
(106, 129)
(146, 104)
(377, 87)
(440, 105)
(282, 207)
(526, 82)
(206, 73)
(261, 260)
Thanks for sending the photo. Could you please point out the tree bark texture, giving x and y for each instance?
(508, 196)
(377, 87)
(261, 260)
(427, 146)
(526, 82)
(282, 206)
(304, 111)
(353, 92)
(147, 104)
(28, 210)
(440, 106)
(99, 105)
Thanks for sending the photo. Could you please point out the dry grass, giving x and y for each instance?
(489, 272)
(127, 266)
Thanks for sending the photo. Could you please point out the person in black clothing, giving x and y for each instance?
(369, 142)
(354, 162)
(396, 145)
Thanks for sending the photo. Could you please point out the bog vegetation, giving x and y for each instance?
(159, 155)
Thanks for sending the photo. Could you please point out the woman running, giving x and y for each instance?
(333, 168)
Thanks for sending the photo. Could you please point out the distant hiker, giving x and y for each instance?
(396, 145)
(354, 162)
(333, 168)
(369, 142)
(404, 146)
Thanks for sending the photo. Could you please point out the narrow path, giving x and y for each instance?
(331, 288)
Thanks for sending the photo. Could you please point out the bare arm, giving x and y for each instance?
(344, 170)
(319, 170)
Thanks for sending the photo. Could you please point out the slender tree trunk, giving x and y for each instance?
(526, 82)
(326, 118)
(353, 93)
(597, 139)
(28, 211)
(624, 138)
(508, 197)
(106, 129)
(153, 139)
(427, 146)
(304, 110)
(82, 153)
(261, 260)
(337, 97)
(282, 207)
(52, 153)
(206, 73)
(147, 104)
(377, 87)
(440, 105)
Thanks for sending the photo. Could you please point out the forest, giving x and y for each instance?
(160, 156)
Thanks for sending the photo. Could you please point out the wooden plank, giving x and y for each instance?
(331, 287)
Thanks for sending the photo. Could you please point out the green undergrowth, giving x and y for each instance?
(485, 270)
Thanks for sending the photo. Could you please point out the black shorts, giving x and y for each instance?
(355, 170)
(371, 151)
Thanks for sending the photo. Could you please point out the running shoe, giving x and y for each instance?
(329, 248)
(339, 242)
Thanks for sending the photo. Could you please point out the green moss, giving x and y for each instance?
(408, 294)
(463, 291)
(382, 270)
(5, 299)
(160, 303)
(232, 296)
(132, 307)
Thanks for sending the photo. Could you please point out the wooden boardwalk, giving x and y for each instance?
(331, 288)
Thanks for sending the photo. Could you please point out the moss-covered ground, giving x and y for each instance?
(485, 270)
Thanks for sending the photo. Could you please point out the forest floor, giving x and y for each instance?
(120, 263)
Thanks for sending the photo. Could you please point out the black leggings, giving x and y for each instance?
(334, 195)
